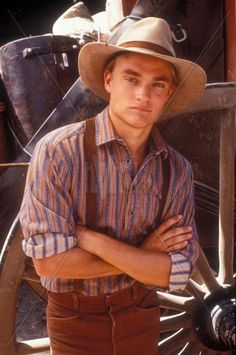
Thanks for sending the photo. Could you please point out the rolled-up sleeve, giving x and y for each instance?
(46, 215)
(183, 203)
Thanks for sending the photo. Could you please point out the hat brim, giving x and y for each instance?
(94, 56)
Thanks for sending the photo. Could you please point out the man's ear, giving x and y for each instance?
(107, 81)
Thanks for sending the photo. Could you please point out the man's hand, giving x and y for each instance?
(167, 239)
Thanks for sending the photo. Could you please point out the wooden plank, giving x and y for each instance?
(226, 204)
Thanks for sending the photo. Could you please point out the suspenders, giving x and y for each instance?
(91, 188)
(91, 193)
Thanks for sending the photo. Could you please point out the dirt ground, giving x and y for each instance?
(30, 316)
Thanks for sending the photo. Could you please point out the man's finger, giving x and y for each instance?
(168, 224)
(178, 246)
(176, 232)
(178, 239)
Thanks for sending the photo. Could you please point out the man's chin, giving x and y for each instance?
(142, 120)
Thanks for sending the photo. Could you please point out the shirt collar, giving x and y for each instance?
(105, 133)
(157, 143)
(104, 129)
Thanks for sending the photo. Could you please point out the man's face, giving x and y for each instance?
(139, 87)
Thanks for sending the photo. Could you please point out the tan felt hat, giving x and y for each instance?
(151, 36)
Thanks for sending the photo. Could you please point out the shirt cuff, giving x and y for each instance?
(44, 245)
(179, 273)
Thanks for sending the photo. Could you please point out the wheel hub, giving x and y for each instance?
(215, 320)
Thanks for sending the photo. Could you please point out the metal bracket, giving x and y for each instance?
(180, 31)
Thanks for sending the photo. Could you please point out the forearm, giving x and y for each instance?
(74, 263)
(146, 266)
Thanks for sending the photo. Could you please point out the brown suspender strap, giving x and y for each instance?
(165, 188)
(91, 187)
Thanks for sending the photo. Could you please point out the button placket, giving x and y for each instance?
(128, 161)
(131, 212)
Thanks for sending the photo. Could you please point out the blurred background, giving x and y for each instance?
(35, 17)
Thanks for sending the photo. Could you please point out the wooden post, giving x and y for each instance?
(230, 40)
(127, 6)
(227, 158)
(226, 210)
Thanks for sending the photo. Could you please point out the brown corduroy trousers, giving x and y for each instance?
(122, 323)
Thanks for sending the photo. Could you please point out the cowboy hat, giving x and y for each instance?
(151, 36)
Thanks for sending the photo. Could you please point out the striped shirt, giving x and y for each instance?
(54, 200)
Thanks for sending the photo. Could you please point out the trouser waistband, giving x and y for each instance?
(122, 297)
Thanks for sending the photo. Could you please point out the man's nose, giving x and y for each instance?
(143, 92)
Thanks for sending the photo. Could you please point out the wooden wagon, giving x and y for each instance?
(201, 320)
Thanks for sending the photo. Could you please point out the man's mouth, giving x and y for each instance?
(141, 108)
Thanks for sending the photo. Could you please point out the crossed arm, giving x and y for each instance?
(98, 255)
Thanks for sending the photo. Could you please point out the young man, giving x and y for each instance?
(104, 243)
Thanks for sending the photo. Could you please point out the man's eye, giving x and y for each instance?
(159, 85)
(131, 80)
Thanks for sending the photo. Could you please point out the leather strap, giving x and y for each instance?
(165, 188)
(91, 187)
(91, 193)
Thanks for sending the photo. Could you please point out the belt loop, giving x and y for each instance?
(76, 285)
(75, 298)
(135, 291)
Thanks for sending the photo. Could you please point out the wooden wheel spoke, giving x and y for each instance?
(38, 289)
(195, 289)
(213, 352)
(175, 322)
(196, 276)
(191, 348)
(174, 342)
(10, 279)
(33, 346)
(206, 272)
(30, 274)
(179, 303)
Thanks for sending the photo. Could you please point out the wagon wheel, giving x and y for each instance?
(203, 321)
(15, 268)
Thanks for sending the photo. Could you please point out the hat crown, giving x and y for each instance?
(150, 36)
(152, 30)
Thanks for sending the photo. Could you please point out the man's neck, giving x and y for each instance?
(135, 138)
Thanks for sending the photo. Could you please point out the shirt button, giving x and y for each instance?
(131, 212)
(128, 161)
